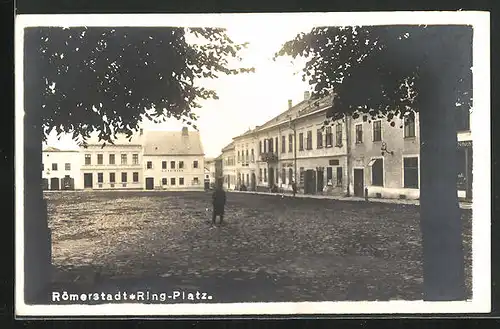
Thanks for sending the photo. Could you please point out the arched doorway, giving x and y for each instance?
(253, 183)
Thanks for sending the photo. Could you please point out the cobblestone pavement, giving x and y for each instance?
(269, 249)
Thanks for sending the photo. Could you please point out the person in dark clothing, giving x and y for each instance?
(294, 188)
(218, 202)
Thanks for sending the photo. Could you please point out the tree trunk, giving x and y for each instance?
(37, 237)
(440, 219)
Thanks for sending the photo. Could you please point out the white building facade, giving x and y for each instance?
(117, 166)
(229, 167)
(173, 160)
(61, 169)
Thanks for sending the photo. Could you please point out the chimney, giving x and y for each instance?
(307, 95)
(185, 131)
(289, 103)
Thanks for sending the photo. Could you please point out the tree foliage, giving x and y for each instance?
(108, 78)
(378, 71)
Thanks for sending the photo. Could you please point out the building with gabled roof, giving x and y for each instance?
(61, 169)
(173, 160)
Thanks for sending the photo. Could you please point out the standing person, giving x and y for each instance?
(218, 202)
(294, 188)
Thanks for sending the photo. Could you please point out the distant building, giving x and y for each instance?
(61, 169)
(229, 166)
(173, 160)
(219, 178)
(210, 171)
(114, 166)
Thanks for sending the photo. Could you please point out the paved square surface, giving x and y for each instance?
(269, 249)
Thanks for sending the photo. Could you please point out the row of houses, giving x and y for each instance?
(149, 160)
(348, 157)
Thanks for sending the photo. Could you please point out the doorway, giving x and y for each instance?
(54, 183)
(271, 177)
(45, 184)
(150, 183)
(253, 182)
(87, 181)
(358, 182)
(320, 180)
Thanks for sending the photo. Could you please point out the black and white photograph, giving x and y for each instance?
(252, 164)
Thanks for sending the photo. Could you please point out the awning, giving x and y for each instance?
(372, 161)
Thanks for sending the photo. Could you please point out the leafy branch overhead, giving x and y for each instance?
(107, 79)
(378, 71)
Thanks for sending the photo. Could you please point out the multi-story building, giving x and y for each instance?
(173, 160)
(114, 166)
(61, 169)
(210, 171)
(295, 146)
(385, 158)
(229, 166)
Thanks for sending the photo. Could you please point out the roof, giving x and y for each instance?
(172, 143)
(228, 147)
(55, 149)
(299, 110)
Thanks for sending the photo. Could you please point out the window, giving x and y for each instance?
(111, 159)
(246, 158)
(290, 176)
(378, 172)
(195, 164)
(164, 165)
(239, 158)
(135, 177)
(319, 139)
(276, 148)
(283, 175)
(265, 175)
(377, 131)
(260, 147)
(111, 177)
(309, 140)
(181, 181)
(283, 144)
(100, 177)
(339, 176)
(172, 164)
(123, 159)
(149, 165)
(43, 167)
(88, 160)
(100, 159)
(164, 181)
(67, 166)
(124, 177)
(338, 135)
(181, 164)
(54, 166)
(135, 159)
(260, 175)
(301, 141)
(253, 156)
(172, 181)
(290, 143)
(359, 133)
(409, 127)
(410, 178)
(301, 175)
(265, 145)
(328, 137)
(195, 181)
(270, 145)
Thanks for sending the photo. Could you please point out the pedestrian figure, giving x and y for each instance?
(218, 202)
(294, 188)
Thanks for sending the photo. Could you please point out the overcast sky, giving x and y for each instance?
(245, 100)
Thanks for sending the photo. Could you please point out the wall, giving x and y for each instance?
(188, 172)
(106, 168)
(229, 169)
(61, 158)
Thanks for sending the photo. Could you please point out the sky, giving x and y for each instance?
(245, 100)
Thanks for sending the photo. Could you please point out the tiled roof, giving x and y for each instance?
(228, 147)
(172, 143)
(121, 139)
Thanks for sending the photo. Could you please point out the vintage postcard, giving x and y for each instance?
(252, 164)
